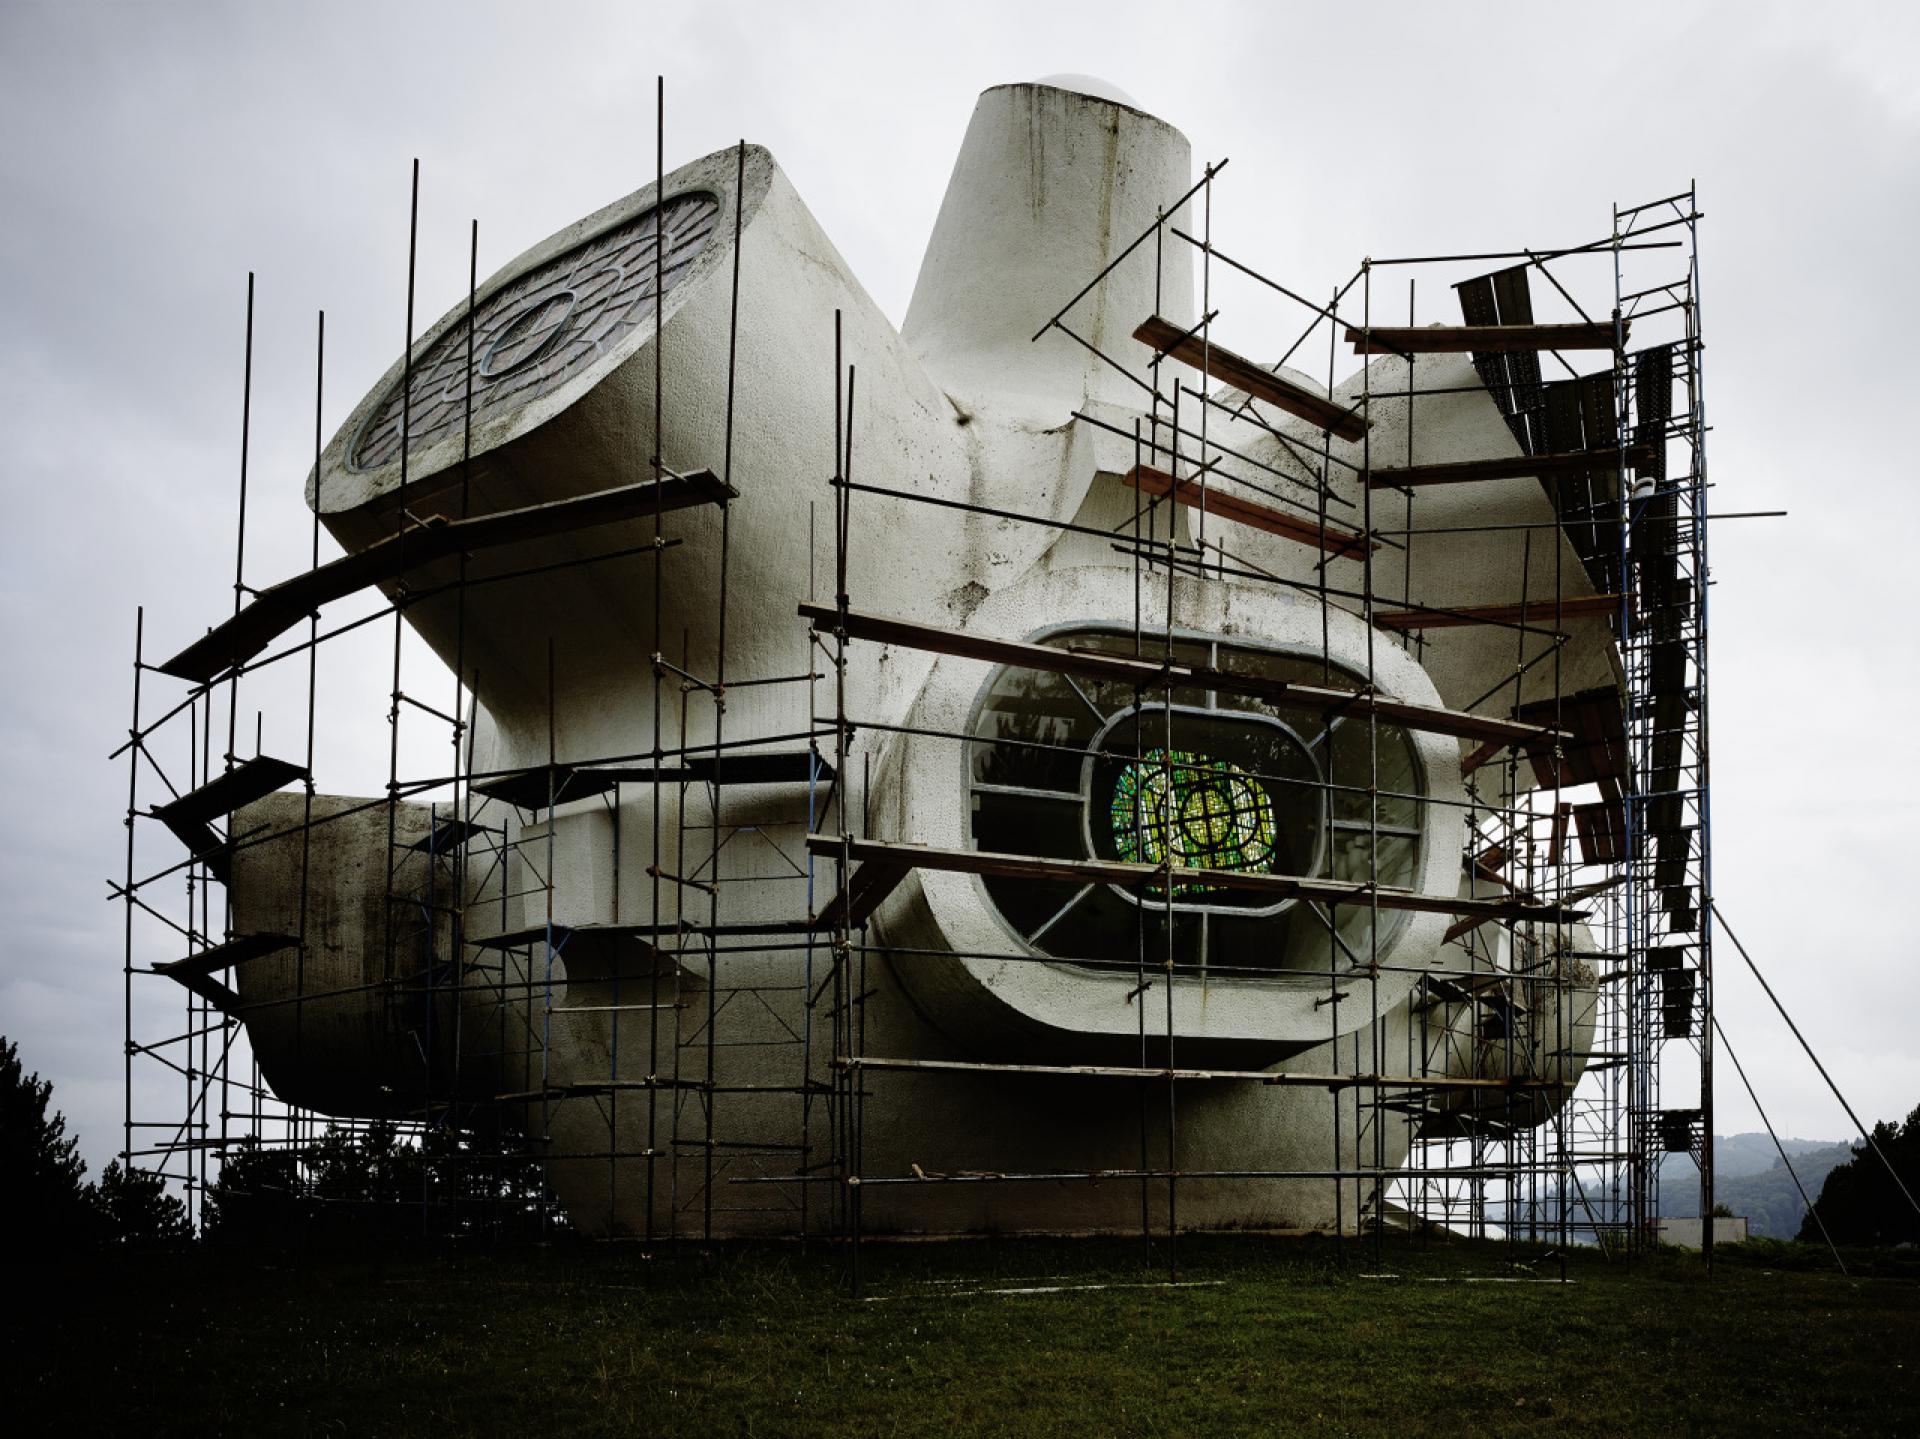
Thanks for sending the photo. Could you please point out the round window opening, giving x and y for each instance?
(1070, 768)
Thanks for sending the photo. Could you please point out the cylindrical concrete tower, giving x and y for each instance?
(1050, 186)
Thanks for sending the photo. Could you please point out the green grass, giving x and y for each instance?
(1272, 1337)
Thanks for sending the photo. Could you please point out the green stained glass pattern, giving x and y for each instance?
(1198, 812)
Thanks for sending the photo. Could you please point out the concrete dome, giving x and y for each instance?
(1090, 85)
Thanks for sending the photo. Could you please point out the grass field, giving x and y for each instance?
(1263, 1336)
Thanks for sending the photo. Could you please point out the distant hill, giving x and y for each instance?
(1750, 1180)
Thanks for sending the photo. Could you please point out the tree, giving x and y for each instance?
(356, 1185)
(370, 1183)
(132, 1206)
(40, 1194)
(257, 1198)
(351, 1186)
(1860, 1203)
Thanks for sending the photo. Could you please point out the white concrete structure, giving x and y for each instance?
(959, 404)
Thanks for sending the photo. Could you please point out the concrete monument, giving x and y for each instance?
(959, 403)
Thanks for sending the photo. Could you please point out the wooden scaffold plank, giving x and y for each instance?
(565, 782)
(886, 629)
(1480, 339)
(1331, 539)
(1507, 467)
(1243, 374)
(190, 816)
(276, 610)
(1539, 612)
(206, 987)
(238, 950)
(1295, 1078)
(895, 860)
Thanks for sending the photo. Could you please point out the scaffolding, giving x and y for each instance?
(1586, 812)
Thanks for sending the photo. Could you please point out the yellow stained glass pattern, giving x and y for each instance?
(1198, 812)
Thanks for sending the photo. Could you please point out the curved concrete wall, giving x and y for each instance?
(1066, 1012)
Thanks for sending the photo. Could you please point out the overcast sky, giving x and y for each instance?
(153, 154)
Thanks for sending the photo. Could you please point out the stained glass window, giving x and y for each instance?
(1198, 812)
